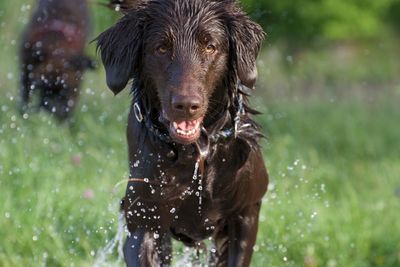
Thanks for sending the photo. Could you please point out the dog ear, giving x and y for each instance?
(82, 62)
(245, 38)
(120, 48)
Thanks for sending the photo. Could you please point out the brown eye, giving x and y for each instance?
(210, 49)
(162, 49)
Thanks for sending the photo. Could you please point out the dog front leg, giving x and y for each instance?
(234, 243)
(147, 249)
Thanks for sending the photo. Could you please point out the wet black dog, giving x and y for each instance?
(196, 170)
(52, 55)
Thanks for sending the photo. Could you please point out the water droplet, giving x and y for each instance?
(323, 188)
(313, 215)
(171, 154)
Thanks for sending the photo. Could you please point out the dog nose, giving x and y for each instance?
(189, 105)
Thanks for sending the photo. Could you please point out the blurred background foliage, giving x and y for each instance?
(302, 22)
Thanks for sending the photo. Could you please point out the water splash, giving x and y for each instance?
(191, 257)
(199, 189)
(118, 241)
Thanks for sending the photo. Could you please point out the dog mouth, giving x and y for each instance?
(185, 131)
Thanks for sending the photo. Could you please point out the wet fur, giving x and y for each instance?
(234, 179)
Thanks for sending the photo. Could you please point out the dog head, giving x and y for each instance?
(181, 51)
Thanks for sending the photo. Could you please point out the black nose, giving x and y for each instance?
(189, 105)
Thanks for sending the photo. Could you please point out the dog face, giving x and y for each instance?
(182, 50)
(185, 60)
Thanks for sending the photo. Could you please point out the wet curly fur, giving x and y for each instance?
(190, 61)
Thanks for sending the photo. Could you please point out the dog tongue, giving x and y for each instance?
(186, 125)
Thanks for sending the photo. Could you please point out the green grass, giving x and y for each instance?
(334, 163)
(333, 201)
(45, 170)
(335, 174)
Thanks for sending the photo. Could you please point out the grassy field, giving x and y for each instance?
(334, 162)
(333, 201)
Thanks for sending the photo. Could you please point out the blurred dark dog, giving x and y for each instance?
(196, 169)
(52, 55)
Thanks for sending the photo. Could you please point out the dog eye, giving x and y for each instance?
(162, 49)
(210, 49)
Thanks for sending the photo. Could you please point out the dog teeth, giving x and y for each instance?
(186, 128)
(186, 133)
